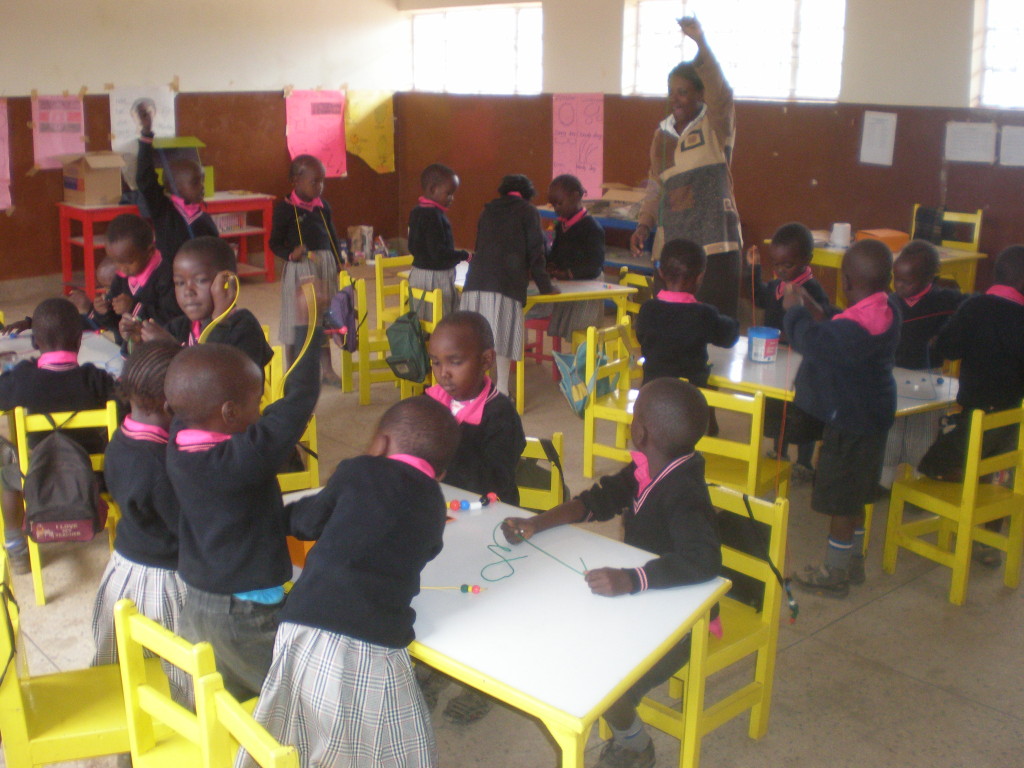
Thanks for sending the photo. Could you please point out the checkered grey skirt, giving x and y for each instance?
(505, 316)
(344, 703)
(158, 593)
(323, 267)
(431, 279)
(910, 437)
(574, 316)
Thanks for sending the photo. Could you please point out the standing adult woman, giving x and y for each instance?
(689, 190)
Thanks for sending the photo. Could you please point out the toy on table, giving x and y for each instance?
(462, 506)
(475, 589)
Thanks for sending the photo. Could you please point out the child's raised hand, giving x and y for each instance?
(81, 301)
(223, 291)
(691, 28)
(792, 296)
(100, 304)
(610, 582)
(518, 529)
(151, 331)
(123, 304)
(753, 256)
(298, 253)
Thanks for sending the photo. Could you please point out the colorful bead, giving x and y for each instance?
(476, 589)
(464, 588)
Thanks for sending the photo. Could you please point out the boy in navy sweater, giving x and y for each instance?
(924, 306)
(845, 380)
(223, 460)
(342, 686)
(669, 514)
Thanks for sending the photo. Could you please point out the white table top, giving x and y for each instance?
(541, 631)
(96, 349)
(915, 390)
(566, 287)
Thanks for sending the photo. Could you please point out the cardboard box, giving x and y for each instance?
(92, 178)
(891, 237)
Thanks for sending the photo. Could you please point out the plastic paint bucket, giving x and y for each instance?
(763, 344)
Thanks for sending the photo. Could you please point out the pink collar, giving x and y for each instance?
(642, 473)
(514, 194)
(643, 476)
(574, 219)
(472, 411)
(1002, 291)
(136, 282)
(426, 202)
(194, 334)
(912, 300)
(61, 360)
(800, 279)
(146, 432)
(199, 440)
(306, 205)
(677, 297)
(873, 314)
(189, 211)
(416, 462)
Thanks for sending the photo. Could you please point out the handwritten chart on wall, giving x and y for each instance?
(316, 126)
(578, 138)
(57, 129)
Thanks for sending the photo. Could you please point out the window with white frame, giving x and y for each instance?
(479, 49)
(1002, 54)
(770, 49)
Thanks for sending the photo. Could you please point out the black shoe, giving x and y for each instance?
(19, 560)
(830, 582)
(856, 570)
(616, 756)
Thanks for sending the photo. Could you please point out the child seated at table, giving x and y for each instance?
(431, 242)
(106, 271)
(845, 381)
(177, 212)
(54, 382)
(144, 564)
(791, 251)
(674, 328)
(341, 687)
(222, 459)
(142, 287)
(666, 509)
(205, 285)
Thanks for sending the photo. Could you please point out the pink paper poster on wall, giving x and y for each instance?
(5, 158)
(316, 126)
(578, 138)
(58, 128)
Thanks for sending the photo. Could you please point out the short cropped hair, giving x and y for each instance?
(569, 183)
(301, 163)
(516, 182)
(925, 254)
(1009, 266)
(215, 251)
(142, 379)
(434, 175)
(202, 378)
(57, 326)
(473, 321)
(675, 414)
(687, 71)
(682, 259)
(128, 226)
(422, 427)
(795, 235)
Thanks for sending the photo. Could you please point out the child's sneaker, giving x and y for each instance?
(616, 756)
(983, 555)
(830, 582)
(19, 560)
(855, 573)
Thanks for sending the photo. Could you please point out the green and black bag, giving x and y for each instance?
(408, 347)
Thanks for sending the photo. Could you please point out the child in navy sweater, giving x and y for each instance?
(223, 461)
(53, 382)
(791, 251)
(144, 564)
(665, 507)
(845, 380)
(205, 284)
(341, 686)
(178, 212)
(674, 328)
(924, 306)
(303, 234)
(431, 242)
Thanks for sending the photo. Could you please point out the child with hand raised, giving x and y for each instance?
(670, 514)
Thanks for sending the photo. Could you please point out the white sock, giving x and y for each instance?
(503, 365)
(634, 738)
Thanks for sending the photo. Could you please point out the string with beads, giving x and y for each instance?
(475, 589)
(500, 550)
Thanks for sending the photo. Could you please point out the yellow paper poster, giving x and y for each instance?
(370, 128)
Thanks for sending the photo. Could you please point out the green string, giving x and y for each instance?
(499, 550)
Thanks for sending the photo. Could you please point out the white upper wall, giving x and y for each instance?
(911, 52)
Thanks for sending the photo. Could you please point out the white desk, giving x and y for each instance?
(96, 349)
(539, 640)
(916, 391)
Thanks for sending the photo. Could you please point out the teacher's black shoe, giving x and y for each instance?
(616, 756)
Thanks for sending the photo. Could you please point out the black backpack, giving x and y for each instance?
(62, 494)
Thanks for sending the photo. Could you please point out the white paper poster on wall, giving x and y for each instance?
(577, 138)
(125, 125)
(971, 142)
(1011, 145)
(878, 138)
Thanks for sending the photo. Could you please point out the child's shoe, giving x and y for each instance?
(801, 473)
(468, 707)
(856, 570)
(983, 555)
(19, 560)
(822, 580)
(616, 756)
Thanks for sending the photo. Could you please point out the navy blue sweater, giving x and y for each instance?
(232, 531)
(431, 241)
(765, 298)
(156, 297)
(239, 329)
(674, 338)
(509, 250)
(377, 522)
(318, 233)
(579, 249)
(922, 323)
(845, 379)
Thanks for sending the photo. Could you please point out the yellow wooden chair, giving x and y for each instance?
(63, 716)
(25, 424)
(550, 495)
(644, 286)
(309, 477)
(234, 726)
(617, 405)
(373, 349)
(739, 464)
(747, 632)
(162, 733)
(961, 221)
(960, 510)
(433, 302)
(387, 289)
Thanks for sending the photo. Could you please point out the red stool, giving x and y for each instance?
(535, 349)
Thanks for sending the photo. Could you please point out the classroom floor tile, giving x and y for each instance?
(892, 676)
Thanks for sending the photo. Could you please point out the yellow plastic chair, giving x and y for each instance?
(373, 349)
(746, 632)
(960, 510)
(434, 302)
(25, 424)
(310, 476)
(617, 405)
(387, 289)
(53, 718)
(738, 464)
(234, 726)
(162, 733)
(972, 220)
(543, 498)
(644, 286)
